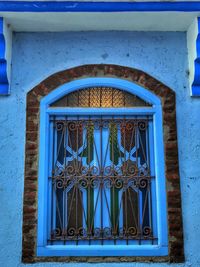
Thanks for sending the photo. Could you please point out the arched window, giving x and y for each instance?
(101, 171)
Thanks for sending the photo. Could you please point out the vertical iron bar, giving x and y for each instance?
(138, 191)
(124, 144)
(77, 171)
(52, 191)
(131, 142)
(64, 193)
(144, 208)
(101, 184)
(139, 225)
(77, 146)
(150, 173)
(150, 210)
(88, 212)
(126, 216)
(113, 188)
(76, 231)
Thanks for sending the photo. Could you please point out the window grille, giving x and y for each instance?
(101, 180)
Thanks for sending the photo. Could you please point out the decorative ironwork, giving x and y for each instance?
(101, 180)
(100, 97)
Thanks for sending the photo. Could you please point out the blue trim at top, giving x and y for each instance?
(4, 85)
(61, 6)
(196, 82)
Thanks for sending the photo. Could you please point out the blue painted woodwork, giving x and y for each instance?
(4, 84)
(77, 6)
(159, 212)
(196, 82)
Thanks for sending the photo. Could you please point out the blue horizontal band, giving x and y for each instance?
(61, 6)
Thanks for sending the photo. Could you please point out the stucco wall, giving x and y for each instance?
(35, 57)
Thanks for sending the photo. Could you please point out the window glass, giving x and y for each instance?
(100, 97)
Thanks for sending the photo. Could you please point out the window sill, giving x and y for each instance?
(98, 250)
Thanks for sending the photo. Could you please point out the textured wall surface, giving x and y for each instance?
(35, 57)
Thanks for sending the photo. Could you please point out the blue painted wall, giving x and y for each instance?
(35, 57)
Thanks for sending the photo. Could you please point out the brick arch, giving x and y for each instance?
(167, 96)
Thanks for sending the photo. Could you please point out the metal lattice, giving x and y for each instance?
(101, 180)
(100, 97)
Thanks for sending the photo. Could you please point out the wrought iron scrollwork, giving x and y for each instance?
(101, 180)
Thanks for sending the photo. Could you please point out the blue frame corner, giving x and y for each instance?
(196, 83)
(4, 83)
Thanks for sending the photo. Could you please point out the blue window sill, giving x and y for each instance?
(98, 250)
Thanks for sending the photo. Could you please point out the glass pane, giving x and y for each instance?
(100, 97)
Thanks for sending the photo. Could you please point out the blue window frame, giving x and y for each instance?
(95, 181)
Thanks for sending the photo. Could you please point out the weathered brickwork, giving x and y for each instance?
(167, 96)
